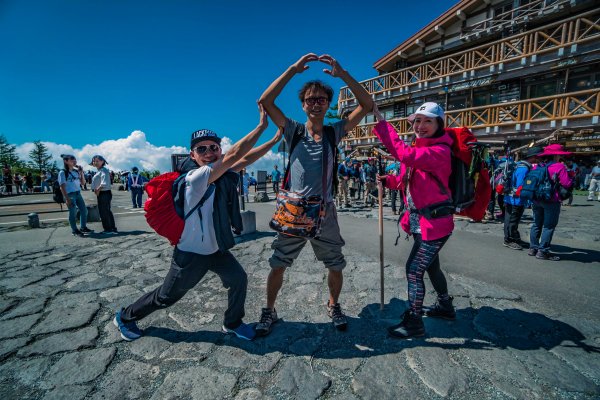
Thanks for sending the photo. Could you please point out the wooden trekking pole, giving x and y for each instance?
(380, 198)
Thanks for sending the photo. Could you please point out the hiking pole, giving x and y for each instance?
(380, 198)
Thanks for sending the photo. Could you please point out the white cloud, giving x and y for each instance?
(134, 150)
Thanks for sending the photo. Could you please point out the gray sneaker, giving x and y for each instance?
(337, 316)
(267, 318)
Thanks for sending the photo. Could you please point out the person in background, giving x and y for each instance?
(370, 173)
(275, 179)
(101, 186)
(136, 182)
(594, 187)
(18, 183)
(546, 213)
(46, 181)
(8, 179)
(246, 185)
(69, 180)
(344, 174)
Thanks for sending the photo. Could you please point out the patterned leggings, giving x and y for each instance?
(424, 257)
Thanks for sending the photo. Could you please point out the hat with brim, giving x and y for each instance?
(202, 135)
(555, 150)
(532, 151)
(429, 109)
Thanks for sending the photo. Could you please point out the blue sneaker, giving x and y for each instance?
(129, 330)
(243, 331)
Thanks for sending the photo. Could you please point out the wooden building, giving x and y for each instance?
(513, 71)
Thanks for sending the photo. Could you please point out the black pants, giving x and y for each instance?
(512, 217)
(106, 215)
(394, 194)
(187, 269)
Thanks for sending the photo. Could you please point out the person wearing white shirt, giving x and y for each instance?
(102, 187)
(69, 180)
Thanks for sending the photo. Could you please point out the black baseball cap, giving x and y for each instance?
(204, 134)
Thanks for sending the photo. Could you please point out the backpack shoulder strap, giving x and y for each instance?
(329, 134)
(207, 194)
(295, 140)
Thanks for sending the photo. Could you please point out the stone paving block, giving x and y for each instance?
(194, 321)
(65, 341)
(183, 351)
(26, 372)
(7, 304)
(51, 259)
(128, 380)
(584, 356)
(196, 383)
(56, 280)
(231, 357)
(35, 291)
(17, 326)
(71, 392)
(26, 307)
(61, 319)
(102, 282)
(149, 347)
(66, 300)
(120, 292)
(385, 377)
(505, 372)
(80, 367)
(9, 346)
(552, 372)
(298, 379)
(437, 370)
(251, 394)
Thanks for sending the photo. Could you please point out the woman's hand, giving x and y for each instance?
(278, 135)
(300, 65)
(378, 116)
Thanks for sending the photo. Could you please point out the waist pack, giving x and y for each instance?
(165, 207)
(296, 214)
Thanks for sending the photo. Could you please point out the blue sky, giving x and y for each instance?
(81, 73)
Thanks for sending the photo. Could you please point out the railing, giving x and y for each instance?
(568, 106)
(518, 15)
(575, 30)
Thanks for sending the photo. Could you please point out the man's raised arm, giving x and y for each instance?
(268, 97)
(365, 102)
(257, 152)
(239, 149)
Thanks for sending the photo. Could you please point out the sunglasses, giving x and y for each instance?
(70, 158)
(311, 101)
(203, 149)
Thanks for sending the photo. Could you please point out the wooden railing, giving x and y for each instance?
(568, 106)
(575, 30)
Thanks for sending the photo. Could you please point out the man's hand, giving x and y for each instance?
(69, 202)
(336, 69)
(301, 66)
(381, 179)
(264, 120)
(97, 191)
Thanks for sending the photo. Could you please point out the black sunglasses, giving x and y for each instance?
(202, 149)
(312, 100)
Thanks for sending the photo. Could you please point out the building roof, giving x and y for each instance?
(462, 8)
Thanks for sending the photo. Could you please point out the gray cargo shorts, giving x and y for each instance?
(327, 247)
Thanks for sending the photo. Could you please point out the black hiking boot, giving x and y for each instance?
(267, 318)
(411, 326)
(442, 309)
(338, 318)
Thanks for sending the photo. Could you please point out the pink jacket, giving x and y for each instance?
(560, 171)
(428, 157)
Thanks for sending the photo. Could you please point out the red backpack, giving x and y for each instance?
(470, 177)
(164, 207)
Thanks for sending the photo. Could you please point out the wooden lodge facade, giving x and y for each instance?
(514, 71)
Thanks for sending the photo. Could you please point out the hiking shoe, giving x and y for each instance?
(86, 231)
(243, 331)
(267, 318)
(513, 245)
(129, 330)
(532, 252)
(410, 326)
(337, 316)
(442, 309)
(544, 255)
(77, 233)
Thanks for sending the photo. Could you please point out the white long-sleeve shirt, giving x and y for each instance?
(101, 180)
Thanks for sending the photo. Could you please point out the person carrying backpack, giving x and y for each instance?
(69, 180)
(311, 172)
(198, 250)
(513, 204)
(547, 212)
(423, 182)
(135, 182)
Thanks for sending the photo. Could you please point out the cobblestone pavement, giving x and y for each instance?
(57, 340)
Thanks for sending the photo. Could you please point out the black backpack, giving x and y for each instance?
(538, 185)
(57, 194)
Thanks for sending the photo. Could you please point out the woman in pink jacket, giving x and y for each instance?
(423, 184)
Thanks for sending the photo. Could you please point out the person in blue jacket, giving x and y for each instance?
(136, 182)
(513, 205)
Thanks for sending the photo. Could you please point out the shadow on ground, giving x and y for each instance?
(485, 328)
